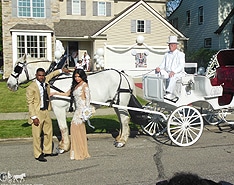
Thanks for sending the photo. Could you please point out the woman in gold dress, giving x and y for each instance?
(81, 93)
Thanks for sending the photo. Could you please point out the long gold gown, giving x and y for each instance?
(79, 145)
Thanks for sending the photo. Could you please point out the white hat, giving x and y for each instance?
(173, 40)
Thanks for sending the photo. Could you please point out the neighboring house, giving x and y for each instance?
(207, 24)
(107, 30)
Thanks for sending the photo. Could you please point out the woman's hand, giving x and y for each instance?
(53, 93)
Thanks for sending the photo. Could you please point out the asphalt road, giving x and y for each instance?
(142, 161)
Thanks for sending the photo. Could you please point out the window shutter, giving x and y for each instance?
(108, 9)
(69, 7)
(95, 6)
(133, 26)
(148, 26)
(48, 9)
(83, 8)
(14, 8)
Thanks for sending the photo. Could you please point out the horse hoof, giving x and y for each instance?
(119, 145)
(60, 151)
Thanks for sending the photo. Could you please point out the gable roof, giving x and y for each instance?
(77, 28)
(128, 10)
(220, 29)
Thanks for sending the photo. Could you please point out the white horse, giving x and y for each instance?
(105, 86)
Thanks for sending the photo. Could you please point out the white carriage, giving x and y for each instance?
(182, 119)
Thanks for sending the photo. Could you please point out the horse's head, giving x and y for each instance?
(24, 71)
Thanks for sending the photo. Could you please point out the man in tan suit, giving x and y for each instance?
(39, 116)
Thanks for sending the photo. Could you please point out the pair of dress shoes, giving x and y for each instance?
(42, 158)
(171, 97)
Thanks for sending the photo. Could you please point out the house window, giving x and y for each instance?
(140, 26)
(101, 8)
(188, 17)
(200, 15)
(31, 8)
(207, 43)
(174, 22)
(76, 7)
(34, 45)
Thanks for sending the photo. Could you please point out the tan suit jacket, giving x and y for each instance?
(34, 98)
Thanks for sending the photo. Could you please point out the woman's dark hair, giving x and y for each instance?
(83, 76)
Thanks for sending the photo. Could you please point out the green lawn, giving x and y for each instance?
(16, 102)
(12, 101)
(21, 129)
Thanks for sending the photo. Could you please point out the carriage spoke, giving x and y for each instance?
(193, 131)
(185, 126)
(155, 125)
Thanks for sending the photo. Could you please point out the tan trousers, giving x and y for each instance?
(45, 125)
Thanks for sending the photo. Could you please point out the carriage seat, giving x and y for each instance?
(225, 76)
(203, 87)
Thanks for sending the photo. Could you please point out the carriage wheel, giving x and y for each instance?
(156, 123)
(226, 116)
(185, 126)
(211, 116)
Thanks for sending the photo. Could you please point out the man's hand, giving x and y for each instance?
(65, 70)
(171, 74)
(157, 70)
(36, 122)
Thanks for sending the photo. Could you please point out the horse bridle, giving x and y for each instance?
(18, 70)
(20, 67)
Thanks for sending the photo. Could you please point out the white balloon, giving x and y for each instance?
(146, 52)
(102, 64)
(98, 60)
(100, 51)
(96, 57)
(140, 39)
(134, 52)
(57, 54)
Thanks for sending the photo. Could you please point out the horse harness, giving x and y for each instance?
(120, 90)
(114, 100)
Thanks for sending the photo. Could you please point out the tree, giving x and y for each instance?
(172, 5)
(1, 28)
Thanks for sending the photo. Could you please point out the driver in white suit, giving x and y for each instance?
(172, 67)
